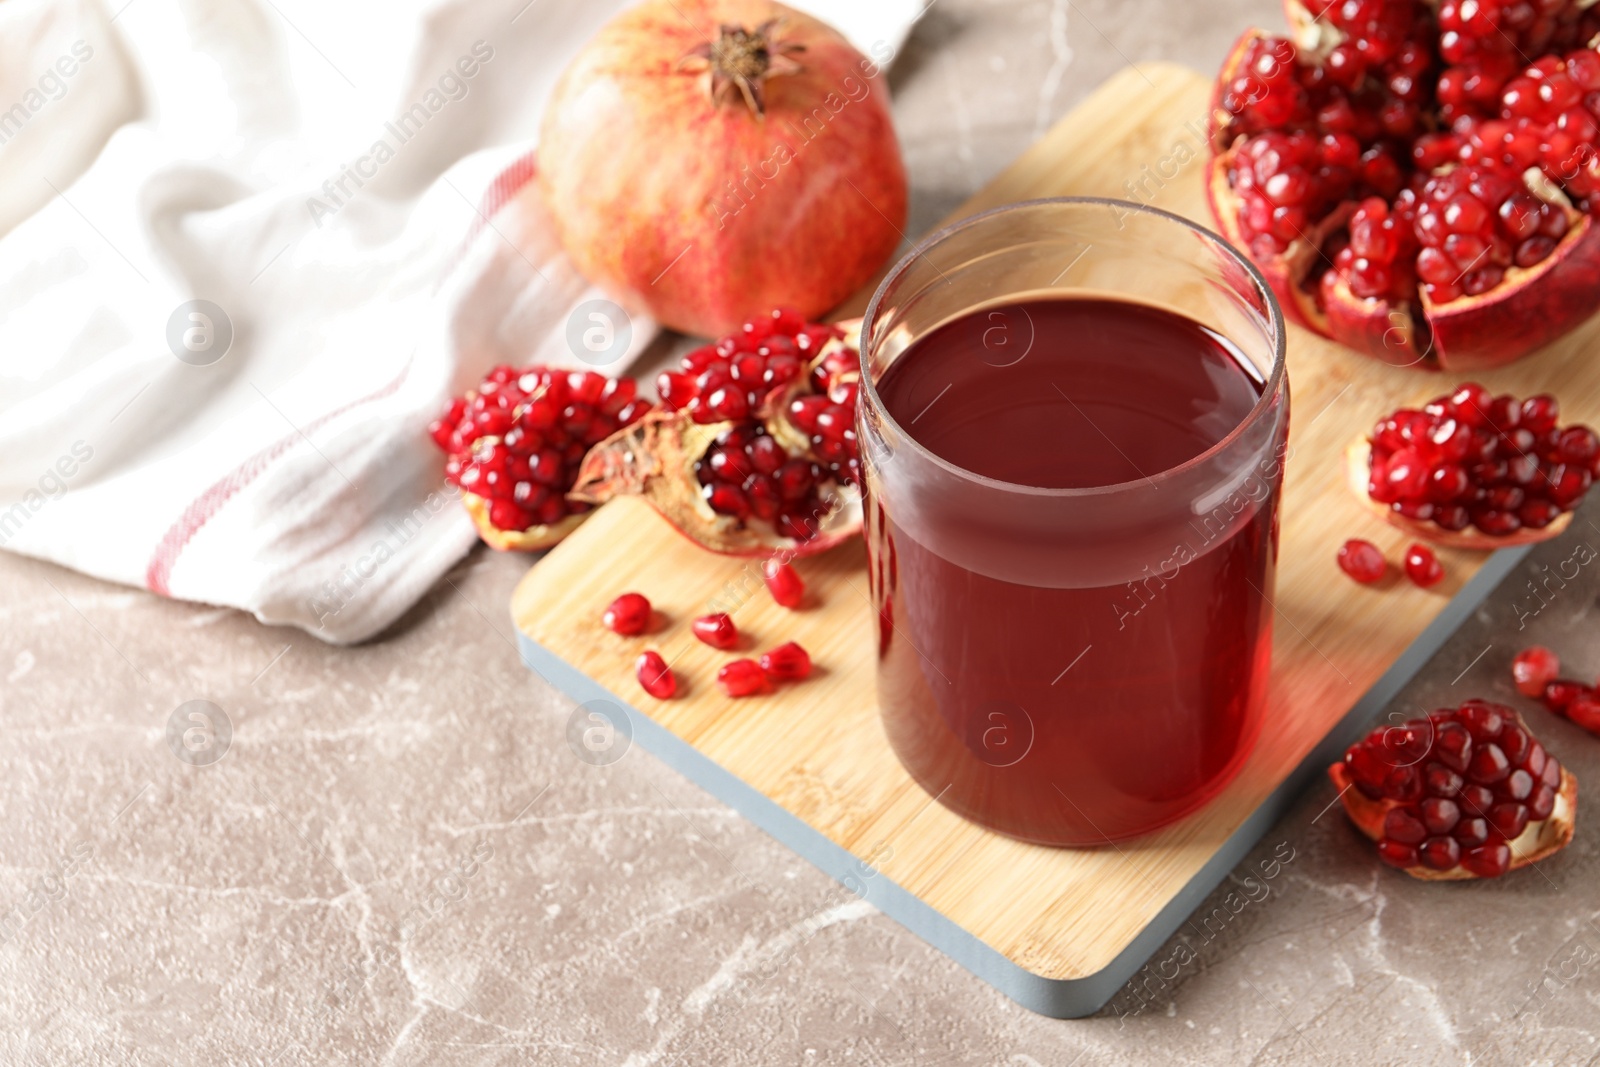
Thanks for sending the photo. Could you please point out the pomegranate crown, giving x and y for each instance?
(741, 61)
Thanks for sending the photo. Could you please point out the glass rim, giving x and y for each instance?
(1264, 403)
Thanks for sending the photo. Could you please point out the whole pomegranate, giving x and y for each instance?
(707, 159)
(1418, 179)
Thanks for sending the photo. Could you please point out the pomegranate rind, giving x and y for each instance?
(1221, 124)
(1539, 841)
(1532, 307)
(1383, 329)
(1357, 467)
(1284, 273)
(654, 458)
(533, 539)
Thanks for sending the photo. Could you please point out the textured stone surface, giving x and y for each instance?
(399, 860)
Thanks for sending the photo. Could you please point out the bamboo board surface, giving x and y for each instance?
(817, 749)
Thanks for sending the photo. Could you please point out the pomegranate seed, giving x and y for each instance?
(1476, 800)
(1440, 815)
(1559, 694)
(1534, 669)
(1483, 720)
(1552, 773)
(1514, 742)
(1577, 445)
(1362, 561)
(1396, 854)
(1488, 861)
(786, 663)
(655, 676)
(1470, 833)
(1542, 803)
(1441, 781)
(1585, 712)
(1489, 765)
(716, 630)
(1517, 786)
(1403, 826)
(1453, 745)
(742, 678)
(1439, 853)
(629, 614)
(1422, 566)
(782, 581)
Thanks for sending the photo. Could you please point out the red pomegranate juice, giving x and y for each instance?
(1103, 699)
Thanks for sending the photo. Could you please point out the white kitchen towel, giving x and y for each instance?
(248, 248)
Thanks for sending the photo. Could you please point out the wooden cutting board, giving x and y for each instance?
(1060, 930)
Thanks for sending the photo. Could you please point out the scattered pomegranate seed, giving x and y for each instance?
(742, 677)
(1423, 567)
(1585, 711)
(628, 615)
(784, 583)
(655, 676)
(1362, 561)
(1534, 669)
(1458, 785)
(1559, 694)
(717, 631)
(786, 663)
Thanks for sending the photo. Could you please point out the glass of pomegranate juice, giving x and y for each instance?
(1073, 422)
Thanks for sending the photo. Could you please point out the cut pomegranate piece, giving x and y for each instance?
(717, 631)
(742, 678)
(1420, 212)
(727, 463)
(629, 614)
(1466, 792)
(783, 583)
(1534, 669)
(1471, 470)
(1362, 561)
(786, 663)
(1423, 567)
(655, 676)
(515, 443)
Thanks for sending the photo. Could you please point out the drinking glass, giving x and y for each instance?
(1073, 666)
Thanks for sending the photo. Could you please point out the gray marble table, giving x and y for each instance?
(400, 861)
